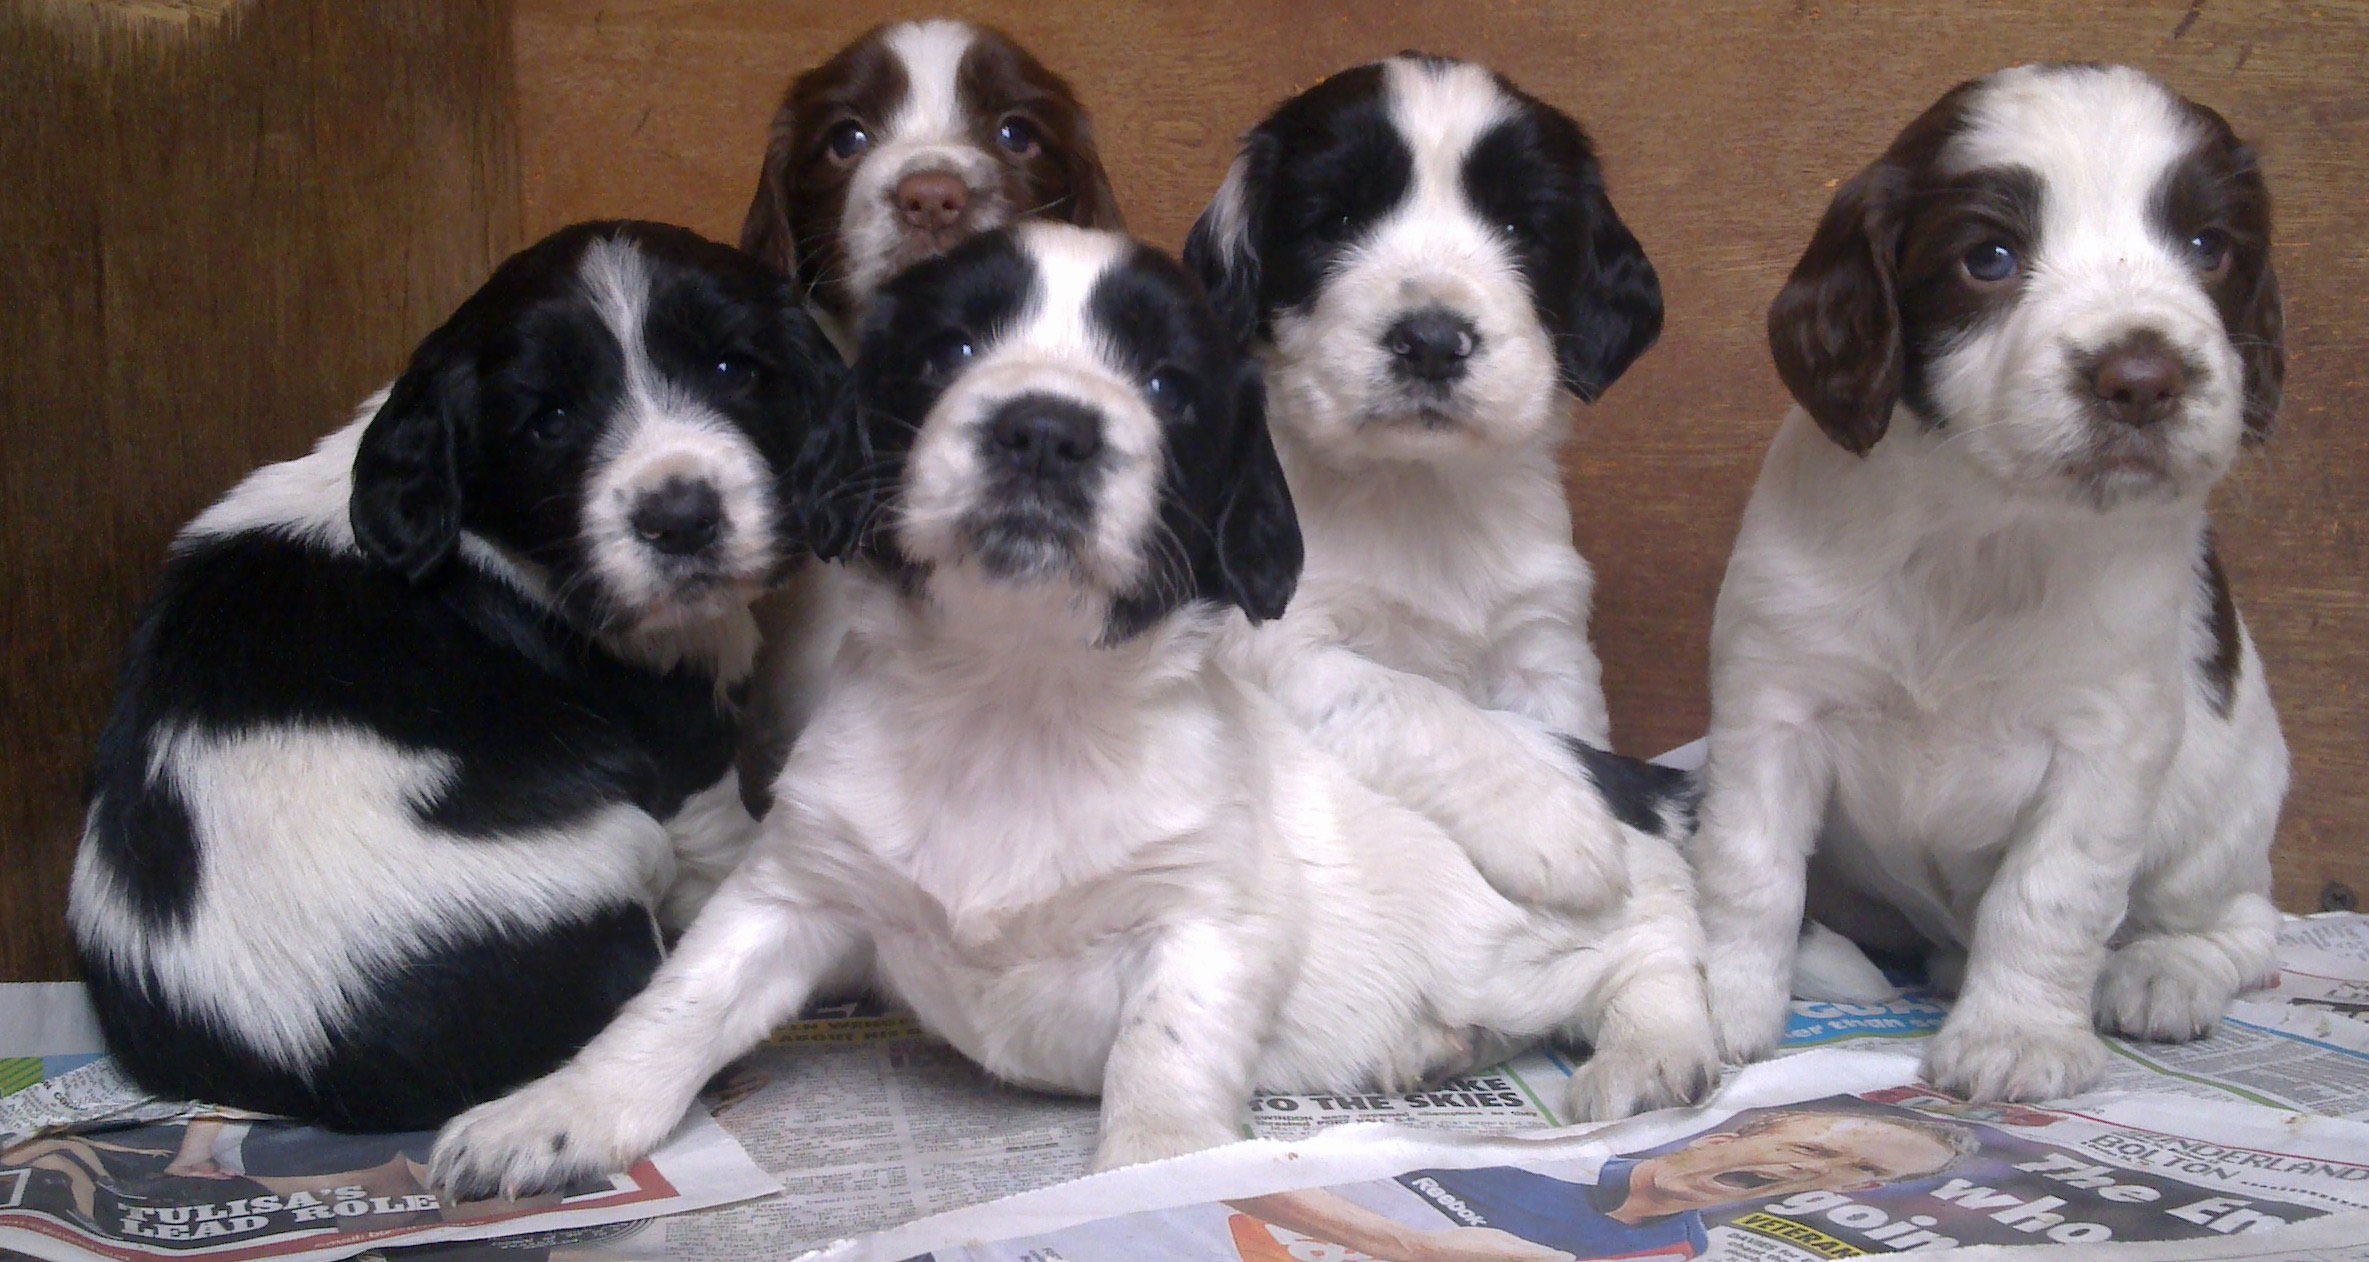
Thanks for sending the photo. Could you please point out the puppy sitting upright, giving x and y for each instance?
(909, 140)
(1974, 646)
(1426, 258)
(1075, 846)
(411, 737)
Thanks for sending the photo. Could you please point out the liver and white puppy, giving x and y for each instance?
(420, 726)
(909, 140)
(1069, 840)
(1974, 646)
(1428, 263)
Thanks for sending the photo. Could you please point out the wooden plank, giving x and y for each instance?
(1725, 127)
(227, 224)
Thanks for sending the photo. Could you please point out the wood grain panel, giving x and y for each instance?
(1725, 126)
(226, 224)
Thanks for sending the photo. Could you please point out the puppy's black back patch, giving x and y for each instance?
(458, 1023)
(1645, 796)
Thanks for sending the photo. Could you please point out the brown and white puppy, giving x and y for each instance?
(1974, 648)
(910, 140)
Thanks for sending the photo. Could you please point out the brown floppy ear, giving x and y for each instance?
(765, 230)
(1091, 202)
(1834, 328)
(2260, 334)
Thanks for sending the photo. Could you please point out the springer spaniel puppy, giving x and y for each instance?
(1051, 822)
(1426, 259)
(424, 726)
(1975, 668)
(909, 140)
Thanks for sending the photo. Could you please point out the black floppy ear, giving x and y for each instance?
(1257, 532)
(1219, 250)
(834, 478)
(1834, 329)
(765, 229)
(406, 504)
(1616, 307)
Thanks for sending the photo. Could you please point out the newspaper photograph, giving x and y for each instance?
(1879, 1171)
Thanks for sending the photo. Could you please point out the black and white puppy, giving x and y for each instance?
(911, 139)
(1049, 820)
(423, 726)
(1974, 647)
(1428, 262)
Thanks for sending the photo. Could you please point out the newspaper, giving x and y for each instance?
(867, 1123)
(92, 1167)
(1783, 1166)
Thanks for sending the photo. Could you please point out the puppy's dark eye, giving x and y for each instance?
(1991, 263)
(1019, 136)
(1169, 388)
(1513, 232)
(550, 425)
(949, 355)
(1337, 228)
(2208, 251)
(733, 372)
(848, 141)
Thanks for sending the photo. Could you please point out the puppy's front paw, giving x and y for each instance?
(2170, 988)
(539, 1138)
(1748, 991)
(1622, 1082)
(1131, 1143)
(1982, 1060)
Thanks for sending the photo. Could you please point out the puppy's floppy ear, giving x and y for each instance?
(1220, 250)
(1834, 328)
(1258, 548)
(2258, 327)
(1091, 203)
(765, 230)
(406, 503)
(834, 478)
(1616, 308)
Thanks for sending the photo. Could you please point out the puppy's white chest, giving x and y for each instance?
(1039, 1019)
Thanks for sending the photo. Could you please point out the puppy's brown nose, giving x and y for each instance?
(932, 200)
(2138, 383)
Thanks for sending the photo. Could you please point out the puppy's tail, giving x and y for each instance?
(1646, 796)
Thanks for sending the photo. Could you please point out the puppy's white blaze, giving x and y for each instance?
(931, 54)
(1055, 349)
(1432, 248)
(2100, 141)
(928, 132)
(316, 871)
(661, 432)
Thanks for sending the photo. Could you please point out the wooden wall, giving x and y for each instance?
(1725, 127)
(226, 222)
(225, 230)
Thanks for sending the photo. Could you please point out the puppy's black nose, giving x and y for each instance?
(1431, 345)
(680, 518)
(1046, 435)
(2138, 382)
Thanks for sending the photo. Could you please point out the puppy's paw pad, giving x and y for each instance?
(1982, 1061)
(2167, 989)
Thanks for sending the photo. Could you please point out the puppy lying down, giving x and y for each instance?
(1069, 842)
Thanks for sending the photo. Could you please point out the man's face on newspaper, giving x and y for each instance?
(1796, 1152)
